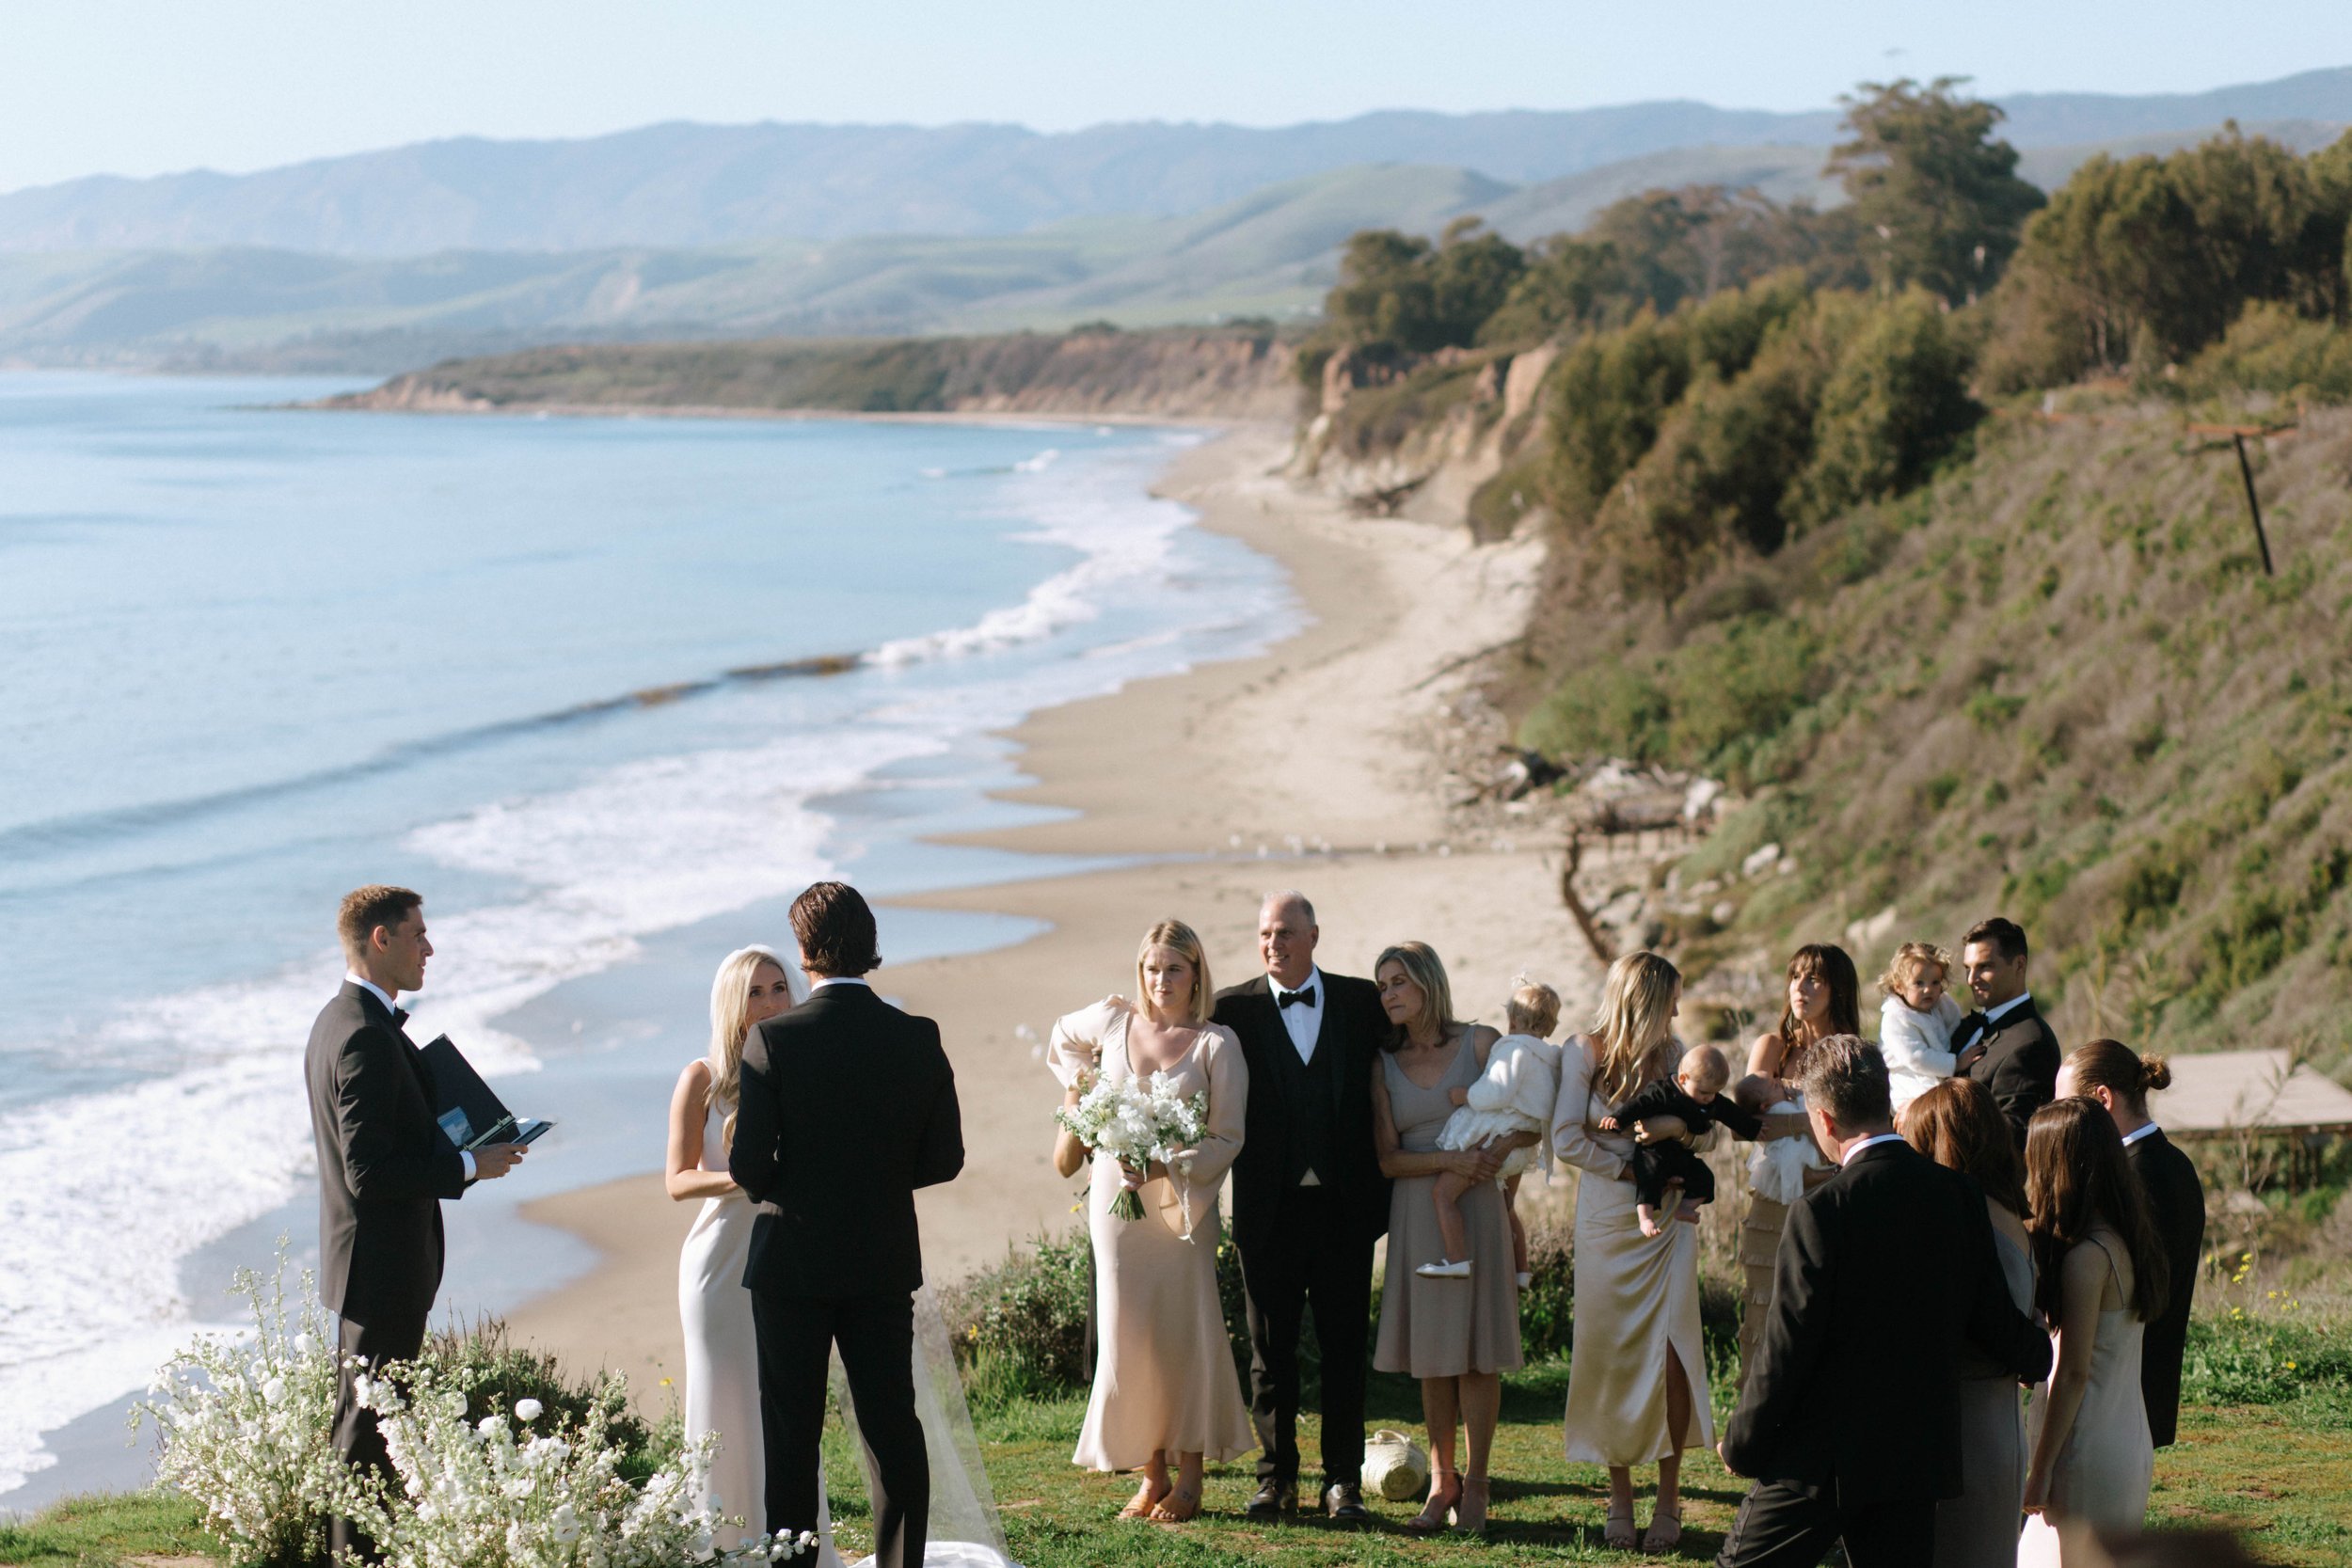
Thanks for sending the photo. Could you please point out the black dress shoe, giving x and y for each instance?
(1273, 1500)
(1344, 1501)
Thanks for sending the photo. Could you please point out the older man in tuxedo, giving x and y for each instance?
(1849, 1424)
(2005, 1044)
(385, 1165)
(1309, 1201)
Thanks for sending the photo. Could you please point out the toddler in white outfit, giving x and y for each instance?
(1916, 1020)
(1514, 1095)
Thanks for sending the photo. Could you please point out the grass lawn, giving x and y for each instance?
(2281, 1474)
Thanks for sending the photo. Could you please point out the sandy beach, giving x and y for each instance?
(1316, 766)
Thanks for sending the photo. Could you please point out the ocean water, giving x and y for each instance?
(556, 674)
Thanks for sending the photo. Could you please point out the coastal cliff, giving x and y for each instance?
(1209, 374)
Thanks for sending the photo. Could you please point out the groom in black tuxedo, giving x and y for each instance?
(2006, 1044)
(847, 1105)
(1850, 1422)
(1309, 1201)
(384, 1163)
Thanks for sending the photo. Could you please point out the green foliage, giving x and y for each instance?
(1548, 1305)
(1936, 196)
(1398, 294)
(493, 1372)
(2272, 349)
(1715, 702)
(1897, 402)
(1615, 389)
(2239, 1360)
(2150, 259)
(1729, 427)
(1019, 1329)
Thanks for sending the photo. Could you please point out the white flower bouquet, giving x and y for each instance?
(1136, 1122)
(247, 1424)
(501, 1493)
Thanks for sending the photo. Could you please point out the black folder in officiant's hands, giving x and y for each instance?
(468, 1112)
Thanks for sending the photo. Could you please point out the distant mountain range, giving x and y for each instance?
(388, 260)
(693, 185)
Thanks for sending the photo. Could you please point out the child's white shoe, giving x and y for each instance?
(1526, 1280)
(1445, 1270)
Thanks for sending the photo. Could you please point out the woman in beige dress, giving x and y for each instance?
(1637, 1362)
(1958, 1125)
(2104, 1279)
(1824, 998)
(1457, 1335)
(1166, 1394)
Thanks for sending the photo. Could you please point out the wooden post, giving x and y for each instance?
(2253, 502)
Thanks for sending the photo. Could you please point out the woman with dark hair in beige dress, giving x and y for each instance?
(1637, 1364)
(1824, 998)
(1457, 1335)
(1164, 1394)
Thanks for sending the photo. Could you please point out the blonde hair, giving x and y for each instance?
(1909, 959)
(730, 1021)
(1178, 938)
(1533, 1010)
(1634, 1024)
(1422, 966)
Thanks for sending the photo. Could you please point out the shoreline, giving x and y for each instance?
(1314, 764)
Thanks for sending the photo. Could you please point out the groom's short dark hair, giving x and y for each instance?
(836, 931)
(1846, 1076)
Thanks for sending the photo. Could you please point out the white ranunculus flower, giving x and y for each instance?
(488, 1426)
(273, 1390)
(527, 1410)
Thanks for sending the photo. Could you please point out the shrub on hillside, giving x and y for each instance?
(495, 1374)
(2272, 349)
(1019, 1329)
(1897, 402)
(1548, 1305)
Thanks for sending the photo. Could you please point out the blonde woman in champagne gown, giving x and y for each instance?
(1637, 1365)
(753, 984)
(2102, 1277)
(1166, 1397)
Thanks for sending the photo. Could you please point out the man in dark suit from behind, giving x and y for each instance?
(1309, 1201)
(2117, 1077)
(2005, 1044)
(384, 1163)
(1850, 1424)
(847, 1105)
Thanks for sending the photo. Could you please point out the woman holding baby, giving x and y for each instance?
(1637, 1369)
(1455, 1330)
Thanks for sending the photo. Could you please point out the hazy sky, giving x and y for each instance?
(141, 86)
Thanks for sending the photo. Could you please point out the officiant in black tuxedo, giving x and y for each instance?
(847, 1105)
(1849, 1424)
(385, 1165)
(1309, 1199)
(2005, 1044)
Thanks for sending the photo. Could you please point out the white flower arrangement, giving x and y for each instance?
(1136, 1121)
(500, 1494)
(247, 1428)
(247, 1424)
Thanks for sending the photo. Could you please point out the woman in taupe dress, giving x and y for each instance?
(1457, 1336)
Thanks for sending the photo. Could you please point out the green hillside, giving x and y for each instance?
(1911, 521)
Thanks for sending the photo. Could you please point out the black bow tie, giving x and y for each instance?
(1973, 1024)
(1299, 998)
(400, 1016)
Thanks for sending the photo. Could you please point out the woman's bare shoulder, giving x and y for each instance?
(695, 1074)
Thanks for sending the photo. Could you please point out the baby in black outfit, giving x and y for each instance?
(1695, 1095)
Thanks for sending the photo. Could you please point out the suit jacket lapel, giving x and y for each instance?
(1259, 994)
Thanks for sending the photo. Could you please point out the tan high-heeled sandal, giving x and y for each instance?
(1472, 1514)
(1438, 1514)
(1617, 1529)
(1665, 1530)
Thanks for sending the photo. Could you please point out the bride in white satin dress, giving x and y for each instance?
(755, 984)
